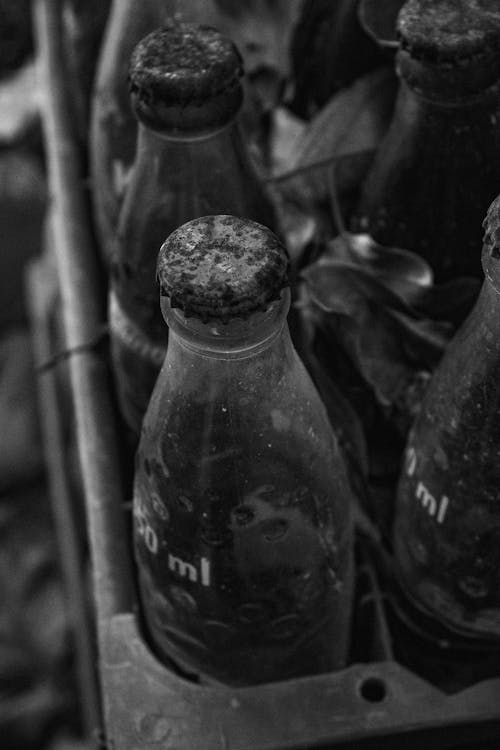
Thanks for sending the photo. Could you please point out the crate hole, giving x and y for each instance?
(373, 690)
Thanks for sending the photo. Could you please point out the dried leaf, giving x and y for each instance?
(286, 133)
(384, 337)
(344, 135)
(307, 186)
(344, 288)
(352, 121)
(402, 272)
(376, 313)
(378, 19)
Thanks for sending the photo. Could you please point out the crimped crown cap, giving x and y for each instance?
(449, 48)
(222, 267)
(185, 77)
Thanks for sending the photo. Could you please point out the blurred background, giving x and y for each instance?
(38, 704)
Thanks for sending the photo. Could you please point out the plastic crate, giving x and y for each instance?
(375, 702)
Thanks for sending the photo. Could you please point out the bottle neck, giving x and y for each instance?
(154, 138)
(448, 87)
(237, 339)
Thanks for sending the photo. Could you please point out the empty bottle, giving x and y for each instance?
(329, 50)
(243, 530)
(447, 527)
(191, 161)
(438, 168)
(113, 131)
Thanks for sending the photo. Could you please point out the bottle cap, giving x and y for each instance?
(449, 49)
(222, 267)
(491, 244)
(185, 78)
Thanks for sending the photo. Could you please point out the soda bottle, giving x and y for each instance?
(242, 512)
(113, 128)
(191, 160)
(329, 50)
(438, 168)
(447, 526)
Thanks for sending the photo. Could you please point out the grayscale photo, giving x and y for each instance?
(250, 375)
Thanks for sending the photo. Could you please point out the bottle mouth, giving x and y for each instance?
(185, 77)
(236, 338)
(449, 48)
(190, 120)
(453, 81)
(222, 267)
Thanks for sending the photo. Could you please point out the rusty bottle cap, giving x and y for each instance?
(449, 49)
(185, 78)
(222, 267)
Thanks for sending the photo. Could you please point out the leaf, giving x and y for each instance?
(307, 186)
(352, 121)
(403, 271)
(344, 134)
(342, 287)
(286, 133)
(262, 30)
(370, 310)
(378, 19)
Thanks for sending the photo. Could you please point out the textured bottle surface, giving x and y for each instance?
(432, 181)
(244, 553)
(438, 168)
(447, 529)
(243, 528)
(139, 358)
(177, 176)
(113, 133)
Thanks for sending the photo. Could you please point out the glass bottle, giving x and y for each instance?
(113, 128)
(191, 161)
(438, 168)
(242, 512)
(329, 50)
(447, 526)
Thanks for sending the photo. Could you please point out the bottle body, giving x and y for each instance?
(243, 530)
(329, 50)
(433, 178)
(447, 528)
(173, 181)
(113, 129)
(113, 125)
